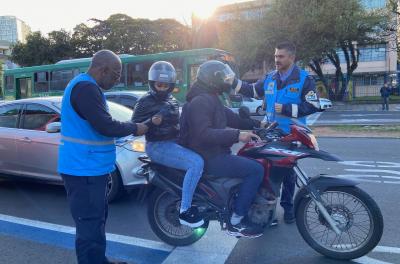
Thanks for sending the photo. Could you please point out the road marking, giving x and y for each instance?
(379, 249)
(365, 163)
(311, 119)
(121, 247)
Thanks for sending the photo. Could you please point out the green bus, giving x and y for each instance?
(50, 80)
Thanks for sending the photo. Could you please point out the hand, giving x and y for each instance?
(246, 137)
(278, 108)
(141, 129)
(156, 120)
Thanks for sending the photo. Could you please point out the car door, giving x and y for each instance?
(38, 150)
(9, 118)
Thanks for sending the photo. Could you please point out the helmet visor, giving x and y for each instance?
(162, 76)
(229, 75)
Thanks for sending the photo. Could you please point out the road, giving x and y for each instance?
(35, 224)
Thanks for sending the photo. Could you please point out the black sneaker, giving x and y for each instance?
(245, 229)
(191, 218)
(274, 223)
(288, 216)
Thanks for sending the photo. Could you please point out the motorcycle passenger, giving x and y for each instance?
(162, 112)
(210, 129)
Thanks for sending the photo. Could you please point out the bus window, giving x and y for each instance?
(122, 81)
(60, 78)
(41, 82)
(9, 85)
(137, 73)
(178, 65)
(193, 73)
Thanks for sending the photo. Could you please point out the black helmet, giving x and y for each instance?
(216, 76)
(164, 72)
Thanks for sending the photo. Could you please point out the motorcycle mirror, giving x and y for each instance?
(244, 112)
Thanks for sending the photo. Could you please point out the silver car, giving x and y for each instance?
(30, 135)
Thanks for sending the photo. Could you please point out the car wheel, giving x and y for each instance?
(115, 187)
(260, 110)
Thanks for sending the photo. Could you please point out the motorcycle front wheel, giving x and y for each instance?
(357, 216)
(163, 215)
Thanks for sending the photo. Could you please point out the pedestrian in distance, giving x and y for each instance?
(385, 93)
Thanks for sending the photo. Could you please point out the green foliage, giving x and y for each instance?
(318, 28)
(119, 33)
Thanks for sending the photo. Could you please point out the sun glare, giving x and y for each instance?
(204, 11)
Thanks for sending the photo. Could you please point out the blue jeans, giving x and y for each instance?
(252, 173)
(171, 154)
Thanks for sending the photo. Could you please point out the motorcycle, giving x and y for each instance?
(334, 216)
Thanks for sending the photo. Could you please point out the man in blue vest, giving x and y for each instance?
(87, 152)
(289, 92)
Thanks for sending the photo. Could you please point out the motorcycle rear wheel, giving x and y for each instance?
(358, 217)
(163, 215)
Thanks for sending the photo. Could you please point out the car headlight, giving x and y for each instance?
(138, 145)
(314, 141)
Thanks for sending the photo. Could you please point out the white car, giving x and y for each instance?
(30, 136)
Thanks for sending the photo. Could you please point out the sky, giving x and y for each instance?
(48, 15)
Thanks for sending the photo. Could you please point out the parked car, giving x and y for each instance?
(325, 103)
(30, 136)
(255, 106)
(125, 98)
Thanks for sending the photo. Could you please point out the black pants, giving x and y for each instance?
(286, 177)
(252, 173)
(89, 208)
(385, 103)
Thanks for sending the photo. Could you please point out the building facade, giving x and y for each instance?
(12, 29)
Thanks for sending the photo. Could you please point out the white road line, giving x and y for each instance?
(380, 249)
(311, 119)
(215, 247)
(378, 171)
(134, 241)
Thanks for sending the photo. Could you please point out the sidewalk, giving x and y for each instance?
(341, 106)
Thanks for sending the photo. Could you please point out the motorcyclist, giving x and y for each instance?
(210, 129)
(162, 109)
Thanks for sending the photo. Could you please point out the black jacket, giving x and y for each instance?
(207, 125)
(148, 106)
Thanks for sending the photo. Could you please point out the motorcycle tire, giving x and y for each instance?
(163, 215)
(341, 213)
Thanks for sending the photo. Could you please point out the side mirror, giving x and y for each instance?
(244, 112)
(54, 127)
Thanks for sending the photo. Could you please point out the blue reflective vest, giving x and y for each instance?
(290, 94)
(83, 151)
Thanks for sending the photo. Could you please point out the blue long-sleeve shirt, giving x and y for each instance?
(87, 101)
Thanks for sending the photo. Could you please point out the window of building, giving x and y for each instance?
(369, 80)
(36, 117)
(9, 116)
(41, 80)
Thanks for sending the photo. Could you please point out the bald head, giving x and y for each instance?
(105, 68)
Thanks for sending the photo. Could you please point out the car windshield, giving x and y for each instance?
(118, 112)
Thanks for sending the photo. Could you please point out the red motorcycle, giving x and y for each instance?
(333, 215)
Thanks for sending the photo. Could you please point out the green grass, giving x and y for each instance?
(369, 128)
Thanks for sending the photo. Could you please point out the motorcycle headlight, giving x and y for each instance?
(138, 145)
(314, 141)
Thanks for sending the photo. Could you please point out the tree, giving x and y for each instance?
(319, 29)
(36, 51)
(123, 34)
(60, 45)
